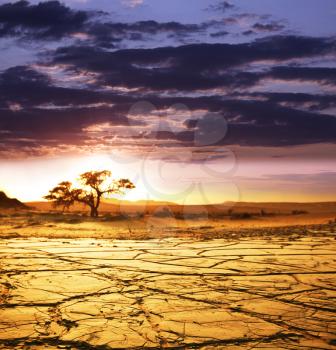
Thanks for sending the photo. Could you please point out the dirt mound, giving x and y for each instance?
(9, 203)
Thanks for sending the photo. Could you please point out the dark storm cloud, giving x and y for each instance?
(251, 122)
(49, 19)
(108, 34)
(219, 34)
(27, 87)
(268, 27)
(190, 67)
(221, 6)
(55, 126)
(32, 106)
(315, 102)
(52, 20)
(22, 77)
(150, 27)
(36, 111)
(319, 74)
(248, 32)
(39, 130)
(254, 123)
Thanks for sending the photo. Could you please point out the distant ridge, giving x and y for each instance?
(10, 203)
(138, 202)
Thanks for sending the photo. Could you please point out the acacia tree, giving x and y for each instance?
(95, 185)
(62, 195)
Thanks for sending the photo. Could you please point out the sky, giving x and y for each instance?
(198, 101)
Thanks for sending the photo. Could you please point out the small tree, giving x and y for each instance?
(95, 186)
(61, 195)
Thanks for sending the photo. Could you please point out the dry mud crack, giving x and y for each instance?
(170, 293)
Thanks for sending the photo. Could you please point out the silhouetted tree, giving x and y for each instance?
(95, 186)
(62, 195)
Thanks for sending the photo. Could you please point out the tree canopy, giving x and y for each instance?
(94, 185)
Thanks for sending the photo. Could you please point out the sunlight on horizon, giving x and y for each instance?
(31, 179)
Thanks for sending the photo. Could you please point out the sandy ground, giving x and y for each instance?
(115, 226)
(277, 292)
(71, 282)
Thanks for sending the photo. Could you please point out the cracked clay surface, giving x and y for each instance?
(172, 293)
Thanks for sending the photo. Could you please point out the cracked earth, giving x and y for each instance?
(261, 293)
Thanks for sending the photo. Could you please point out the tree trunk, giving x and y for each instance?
(97, 205)
(93, 212)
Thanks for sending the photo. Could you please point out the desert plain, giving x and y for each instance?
(249, 276)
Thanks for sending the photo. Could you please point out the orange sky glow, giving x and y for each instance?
(185, 183)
